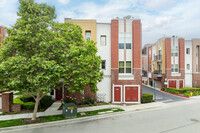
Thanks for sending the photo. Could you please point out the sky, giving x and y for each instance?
(159, 17)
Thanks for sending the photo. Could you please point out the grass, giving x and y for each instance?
(18, 122)
(10, 123)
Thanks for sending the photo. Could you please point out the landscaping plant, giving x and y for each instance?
(39, 52)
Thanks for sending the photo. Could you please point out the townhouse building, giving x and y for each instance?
(119, 45)
(166, 62)
(2, 33)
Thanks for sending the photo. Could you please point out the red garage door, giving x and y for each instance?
(131, 94)
(117, 94)
(172, 83)
(181, 84)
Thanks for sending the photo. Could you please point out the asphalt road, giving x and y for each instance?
(161, 96)
(176, 117)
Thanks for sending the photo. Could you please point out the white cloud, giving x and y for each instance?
(64, 1)
(3, 2)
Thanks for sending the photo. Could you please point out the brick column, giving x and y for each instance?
(199, 58)
(7, 101)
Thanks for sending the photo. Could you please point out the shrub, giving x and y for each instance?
(187, 94)
(147, 98)
(89, 100)
(104, 103)
(172, 90)
(82, 101)
(17, 101)
(46, 101)
(151, 83)
(95, 104)
(16, 112)
(194, 94)
(29, 105)
(70, 100)
(4, 113)
(90, 104)
(26, 98)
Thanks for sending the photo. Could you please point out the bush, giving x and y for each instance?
(95, 104)
(172, 90)
(29, 105)
(187, 94)
(147, 98)
(46, 101)
(89, 100)
(70, 100)
(90, 104)
(26, 98)
(194, 94)
(17, 101)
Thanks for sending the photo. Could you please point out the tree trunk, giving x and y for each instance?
(36, 105)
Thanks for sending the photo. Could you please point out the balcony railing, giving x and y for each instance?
(157, 58)
(158, 73)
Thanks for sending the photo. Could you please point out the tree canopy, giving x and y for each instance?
(39, 52)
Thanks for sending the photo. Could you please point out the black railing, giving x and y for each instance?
(157, 57)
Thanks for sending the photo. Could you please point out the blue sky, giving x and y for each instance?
(159, 17)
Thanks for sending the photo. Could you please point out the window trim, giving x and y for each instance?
(101, 40)
(86, 34)
(102, 63)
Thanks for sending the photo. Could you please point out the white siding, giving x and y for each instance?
(105, 52)
(188, 60)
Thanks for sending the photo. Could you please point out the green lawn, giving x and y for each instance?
(18, 122)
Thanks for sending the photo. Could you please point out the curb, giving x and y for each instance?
(174, 94)
(75, 120)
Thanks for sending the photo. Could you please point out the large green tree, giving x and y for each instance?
(39, 52)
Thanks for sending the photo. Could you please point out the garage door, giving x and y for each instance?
(117, 94)
(172, 83)
(180, 83)
(131, 94)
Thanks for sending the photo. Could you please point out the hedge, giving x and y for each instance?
(27, 103)
(180, 91)
(147, 98)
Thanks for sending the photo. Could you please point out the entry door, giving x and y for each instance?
(131, 94)
(59, 93)
(181, 84)
(172, 83)
(117, 94)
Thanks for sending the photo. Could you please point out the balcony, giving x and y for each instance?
(157, 73)
(157, 58)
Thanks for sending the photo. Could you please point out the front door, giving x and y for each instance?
(117, 94)
(59, 93)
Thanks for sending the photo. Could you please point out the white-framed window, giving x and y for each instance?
(188, 66)
(121, 66)
(187, 50)
(103, 64)
(121, 45)
(103, 40)
(174, 68)
(88, 35)
(150, 67)
(128, 45)
(128, 66)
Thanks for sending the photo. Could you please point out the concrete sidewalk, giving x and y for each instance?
(53, 109)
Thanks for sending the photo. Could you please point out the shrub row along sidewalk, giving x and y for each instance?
(187, 91)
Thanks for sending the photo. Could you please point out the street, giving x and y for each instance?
(175, 117)
(161, 96)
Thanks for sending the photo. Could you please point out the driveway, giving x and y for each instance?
(161, 96)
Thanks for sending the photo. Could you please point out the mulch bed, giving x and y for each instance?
(29, 121)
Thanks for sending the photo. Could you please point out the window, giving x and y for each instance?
(103, 64)
(88, 35)
(121, 45)
(128, 45)
(150, 67)
(187, 50)
(188, 66)
(149, 53)
(121, 67)
(103, 40)
(128, 66)
(174, 68)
